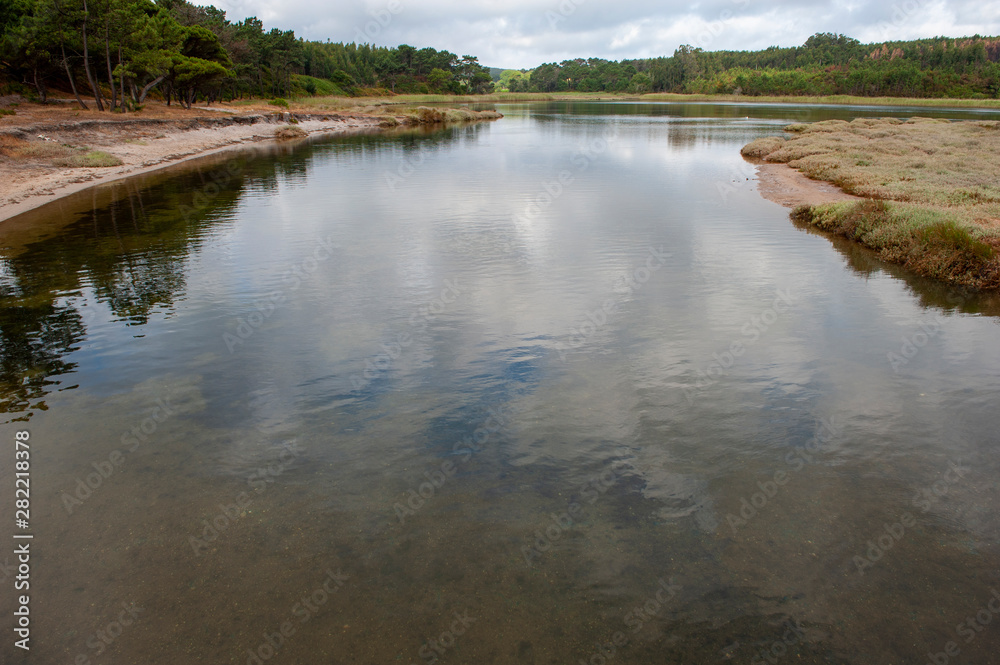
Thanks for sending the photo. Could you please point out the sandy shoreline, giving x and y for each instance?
(786, 186)
(143, 148)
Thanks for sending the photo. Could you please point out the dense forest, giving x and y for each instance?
(114, 53)
(827, 64)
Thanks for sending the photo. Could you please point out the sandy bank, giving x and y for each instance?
(143, 145)
(786, 186)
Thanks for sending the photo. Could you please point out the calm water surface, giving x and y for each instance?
(554, 389)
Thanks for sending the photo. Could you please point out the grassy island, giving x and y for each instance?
(930, 189)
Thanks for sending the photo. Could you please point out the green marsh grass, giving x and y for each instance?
(931, 189)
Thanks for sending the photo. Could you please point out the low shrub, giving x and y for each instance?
(425, 115)
(927, 242)
(289, 132)
(89, 159)
(949, 236)
(761, 148)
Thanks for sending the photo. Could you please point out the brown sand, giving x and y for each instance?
(786, 186)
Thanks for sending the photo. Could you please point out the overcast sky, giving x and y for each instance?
(526, 33)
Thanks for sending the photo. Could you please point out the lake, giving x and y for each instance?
(561, 388)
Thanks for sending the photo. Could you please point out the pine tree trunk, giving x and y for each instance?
(121, 78)
(107, 59)
(69, 75)
(145, 91)
(39, 86)
(86, 62)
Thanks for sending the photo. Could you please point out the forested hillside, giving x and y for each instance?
(826, 64)
(114, 53)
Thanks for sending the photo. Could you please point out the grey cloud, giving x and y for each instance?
(519, 33)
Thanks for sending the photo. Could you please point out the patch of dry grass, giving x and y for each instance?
(425, 115)
(89, 159)
(933, 189)
(289, 132)
(927, 241)
(761, 148)
(54, 154)
(19, 149)
(948, 165)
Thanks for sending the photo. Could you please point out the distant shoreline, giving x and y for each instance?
(163, 136)
(837, 100)
(42, 139)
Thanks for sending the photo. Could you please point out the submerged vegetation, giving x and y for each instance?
(931, 189)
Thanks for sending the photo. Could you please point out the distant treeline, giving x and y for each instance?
(117, 52)
(827, 64)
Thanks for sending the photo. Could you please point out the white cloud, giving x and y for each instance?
(523, 34)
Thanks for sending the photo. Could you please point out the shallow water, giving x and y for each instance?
(506, 393)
